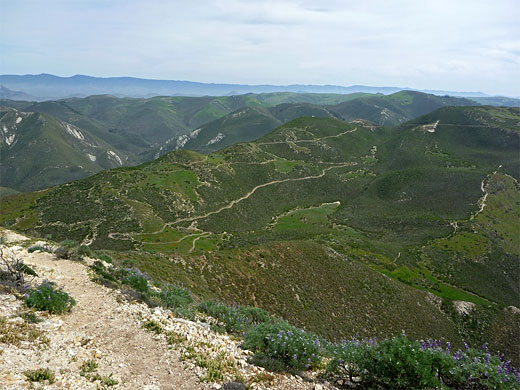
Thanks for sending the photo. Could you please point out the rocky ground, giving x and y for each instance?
(103, 344)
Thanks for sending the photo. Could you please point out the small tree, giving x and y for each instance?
(12, 267)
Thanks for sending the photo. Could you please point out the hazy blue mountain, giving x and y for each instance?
(47, 86)
(6, 93)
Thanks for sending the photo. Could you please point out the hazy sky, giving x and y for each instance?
(458, 45)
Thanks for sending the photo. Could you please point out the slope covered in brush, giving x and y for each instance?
(38, 151)
(247, 124)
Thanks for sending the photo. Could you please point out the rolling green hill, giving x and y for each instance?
(247, 124)
(389, 110)
(340, 227)
(140, 130)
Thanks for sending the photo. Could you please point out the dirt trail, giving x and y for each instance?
(235, 201)
(137, 360)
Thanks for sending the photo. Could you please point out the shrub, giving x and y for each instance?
(399, 363)
(99, 268)
(49, 298)
(12, 268)
(40, 375)
(62, 252)
(70, 249)
(82, 251)
(137, 280)
(105, 258)
(175, 297)
(153, 326)
(235, 319)
(290, 346)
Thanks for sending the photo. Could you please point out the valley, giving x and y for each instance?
(335, 226)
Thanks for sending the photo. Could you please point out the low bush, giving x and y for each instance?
(234, 319)
(62, 252)
(12, 268)
(137, 280)
(175, 297)
(49, 298)
(72, 250)
(105, 258)
(40, 375)
(400, 363)
(103, 272)
(287, 345)
(153, 326)
(82, 251)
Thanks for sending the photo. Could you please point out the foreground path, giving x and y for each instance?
(99, 328)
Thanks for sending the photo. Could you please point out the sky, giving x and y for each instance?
(457, 45)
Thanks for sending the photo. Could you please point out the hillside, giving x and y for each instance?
(38, 151)
(246, 124)
(412, 219)
(6, 93)
(140, 130)
(396, 108)
(254, 122)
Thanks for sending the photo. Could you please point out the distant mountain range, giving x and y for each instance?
(47, 86)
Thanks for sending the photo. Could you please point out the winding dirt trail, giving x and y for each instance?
(246, 196)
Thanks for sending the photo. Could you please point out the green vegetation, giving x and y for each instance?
(49, 298)
(88, 366)
(153, 326)
(40, 375)
(15, 332)
(400, 363)
(290, 347)
(358, 224)
(234, 319)
(137, 280)
(70, 139)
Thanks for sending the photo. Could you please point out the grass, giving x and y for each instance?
(215, 367)
(153, 326)
(40, 375)
(311, 218)
(88, 366)
(423, 279)
(15, 333)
